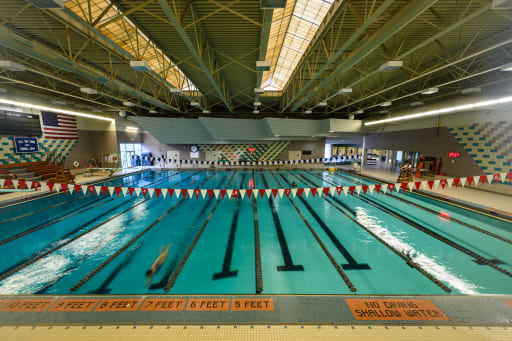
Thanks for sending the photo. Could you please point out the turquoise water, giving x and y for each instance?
(379, 244)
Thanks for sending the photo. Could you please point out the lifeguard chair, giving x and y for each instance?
(405, 173)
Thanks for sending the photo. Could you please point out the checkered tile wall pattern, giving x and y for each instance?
(236, 152)
(489, 144)
(8, 155)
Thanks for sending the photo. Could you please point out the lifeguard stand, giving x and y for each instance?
(405, 173)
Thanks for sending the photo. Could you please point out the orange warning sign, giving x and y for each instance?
(28, 305)
(119, 304)
(70, 304)
(393, 309)
(509, 302)
(252, 304)
(208, 304)
(163, 304)
(4, 301)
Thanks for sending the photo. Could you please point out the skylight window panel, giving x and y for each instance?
(123, 33)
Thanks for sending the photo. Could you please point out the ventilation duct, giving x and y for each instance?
(271, 4)
(47, 4)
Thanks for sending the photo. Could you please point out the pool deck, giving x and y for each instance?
(493, 197)
(257, 310)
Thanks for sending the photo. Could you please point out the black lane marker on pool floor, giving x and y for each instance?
(490, 234)
(178, 269)
(435, 235)
(257, 250)
(56, 220)
(44, 254)
(395, 251)
(480, 260)
(127, 245)
(165, 278)
(352, 263)
(228, 255)
(340, 271)
(477, 258)
(285, 251)
(103, 289)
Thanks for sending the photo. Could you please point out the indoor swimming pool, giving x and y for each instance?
(389, 244)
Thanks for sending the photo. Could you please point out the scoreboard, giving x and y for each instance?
(14, 123)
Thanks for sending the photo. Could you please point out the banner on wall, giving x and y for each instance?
(26, 144)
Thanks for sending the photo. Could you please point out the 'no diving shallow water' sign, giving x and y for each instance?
(395, 309)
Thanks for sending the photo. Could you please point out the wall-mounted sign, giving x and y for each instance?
(251, 149)
(453, 155)
(26, 144)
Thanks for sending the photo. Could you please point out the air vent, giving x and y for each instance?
(262, 65)
(270, 4)
(48, 4)
(140, 65)
(501, 4)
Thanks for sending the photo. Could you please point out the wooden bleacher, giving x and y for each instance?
(42, 170)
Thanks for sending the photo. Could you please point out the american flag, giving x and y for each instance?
(59, 126)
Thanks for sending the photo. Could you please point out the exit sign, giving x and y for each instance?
(453, 155)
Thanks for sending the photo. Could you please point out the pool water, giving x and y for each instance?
(356, 244)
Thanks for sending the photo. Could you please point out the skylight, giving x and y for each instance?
(123, 32)
(291, 33)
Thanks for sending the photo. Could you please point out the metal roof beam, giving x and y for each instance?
(434, 38)
(340, 51)
(219, 84)
(403, 17)
(33, 50)
(265, 34)
(432, 71)
(92, 32)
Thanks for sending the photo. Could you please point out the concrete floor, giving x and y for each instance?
(494, 197)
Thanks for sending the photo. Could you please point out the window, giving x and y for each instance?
(127, 151)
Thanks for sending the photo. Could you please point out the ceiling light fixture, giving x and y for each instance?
(322, 104)
(195, 104)
(444, 110)
(344, 91)
(471, 91)
(89, 91)
(308, 112)
(386, 104)
(59, 102)
(416, 104)
(360, 111)
(153, 112)
(506, 67)
(57, 110)
(128, 104)
(391, 65)
(11, 66)
(430, 91)
(132, 128)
